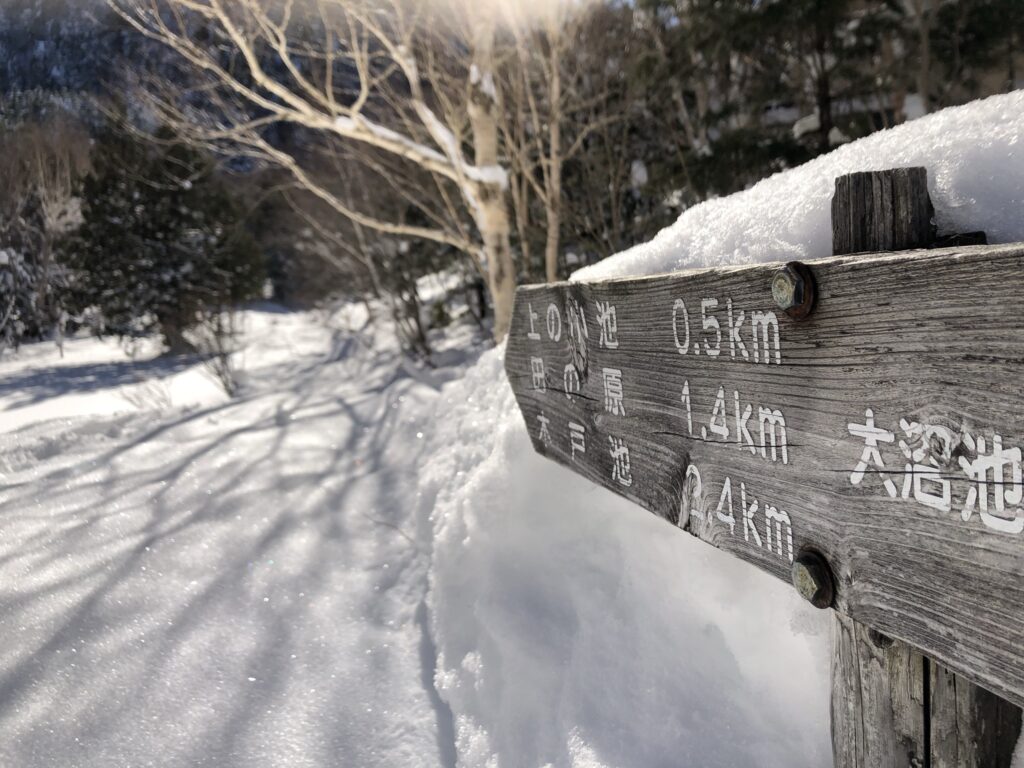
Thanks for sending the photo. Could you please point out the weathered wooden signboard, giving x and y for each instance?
(883, 430)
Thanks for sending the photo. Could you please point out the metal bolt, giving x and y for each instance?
(794, 290)
(813, 579)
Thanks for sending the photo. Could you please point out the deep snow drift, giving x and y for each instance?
(576, 629)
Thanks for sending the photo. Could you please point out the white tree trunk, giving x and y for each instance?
(924, 10)
(491, 213)
(554, 198)
(501, 277)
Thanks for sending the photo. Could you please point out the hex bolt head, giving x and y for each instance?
(794, 290)
(813, 578)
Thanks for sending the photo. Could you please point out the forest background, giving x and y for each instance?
(166, 161)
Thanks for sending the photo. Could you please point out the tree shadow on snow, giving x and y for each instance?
(34, 385)
(236, 585)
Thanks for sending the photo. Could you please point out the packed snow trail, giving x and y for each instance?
(237, 585)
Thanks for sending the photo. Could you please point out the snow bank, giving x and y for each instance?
(575, 629)
(975, 160)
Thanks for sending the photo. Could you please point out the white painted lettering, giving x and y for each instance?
(578, 333)
(870, 456)
(938, 492)
(680, 306)
(577, 439)
(571, 381)
(768, 325)
(749, 523)
(742, 433)
(686, 402)
(728, 519)
(613, 395)
(544, 433)
(621, 472)
(693, 491)
(978, 470)
(780, 518)
(735, 325)
(773, 424)
(538, 376)
(608, 321)
(532, 334)
(710, 323)
(554, 322)
(719, 424)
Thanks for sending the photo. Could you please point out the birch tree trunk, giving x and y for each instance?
(924, 10)
(491, 211)
(554, 200)
(552, 243)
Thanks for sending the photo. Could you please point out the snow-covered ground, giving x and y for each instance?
(359, 562)
(191, 580)
(233, 583)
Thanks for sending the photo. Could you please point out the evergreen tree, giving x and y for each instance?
(43, 156)
(161, 247)
(18, 278)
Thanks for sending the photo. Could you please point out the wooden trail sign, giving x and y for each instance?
(884, 431)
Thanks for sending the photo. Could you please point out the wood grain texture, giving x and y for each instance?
(883, 715)
(891, 706)
(882, 211)
(935, 338)
(969, 726)
(878, 707)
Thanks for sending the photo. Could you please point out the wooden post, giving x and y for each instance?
(877, 699)
(882, 211)
(891, 706)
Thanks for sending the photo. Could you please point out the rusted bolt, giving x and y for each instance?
(794, 290)
(813, 579)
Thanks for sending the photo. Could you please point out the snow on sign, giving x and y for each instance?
(884, 430)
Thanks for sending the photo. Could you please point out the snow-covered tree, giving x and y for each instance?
(18, 277)
(42, 159)
(408, 81)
